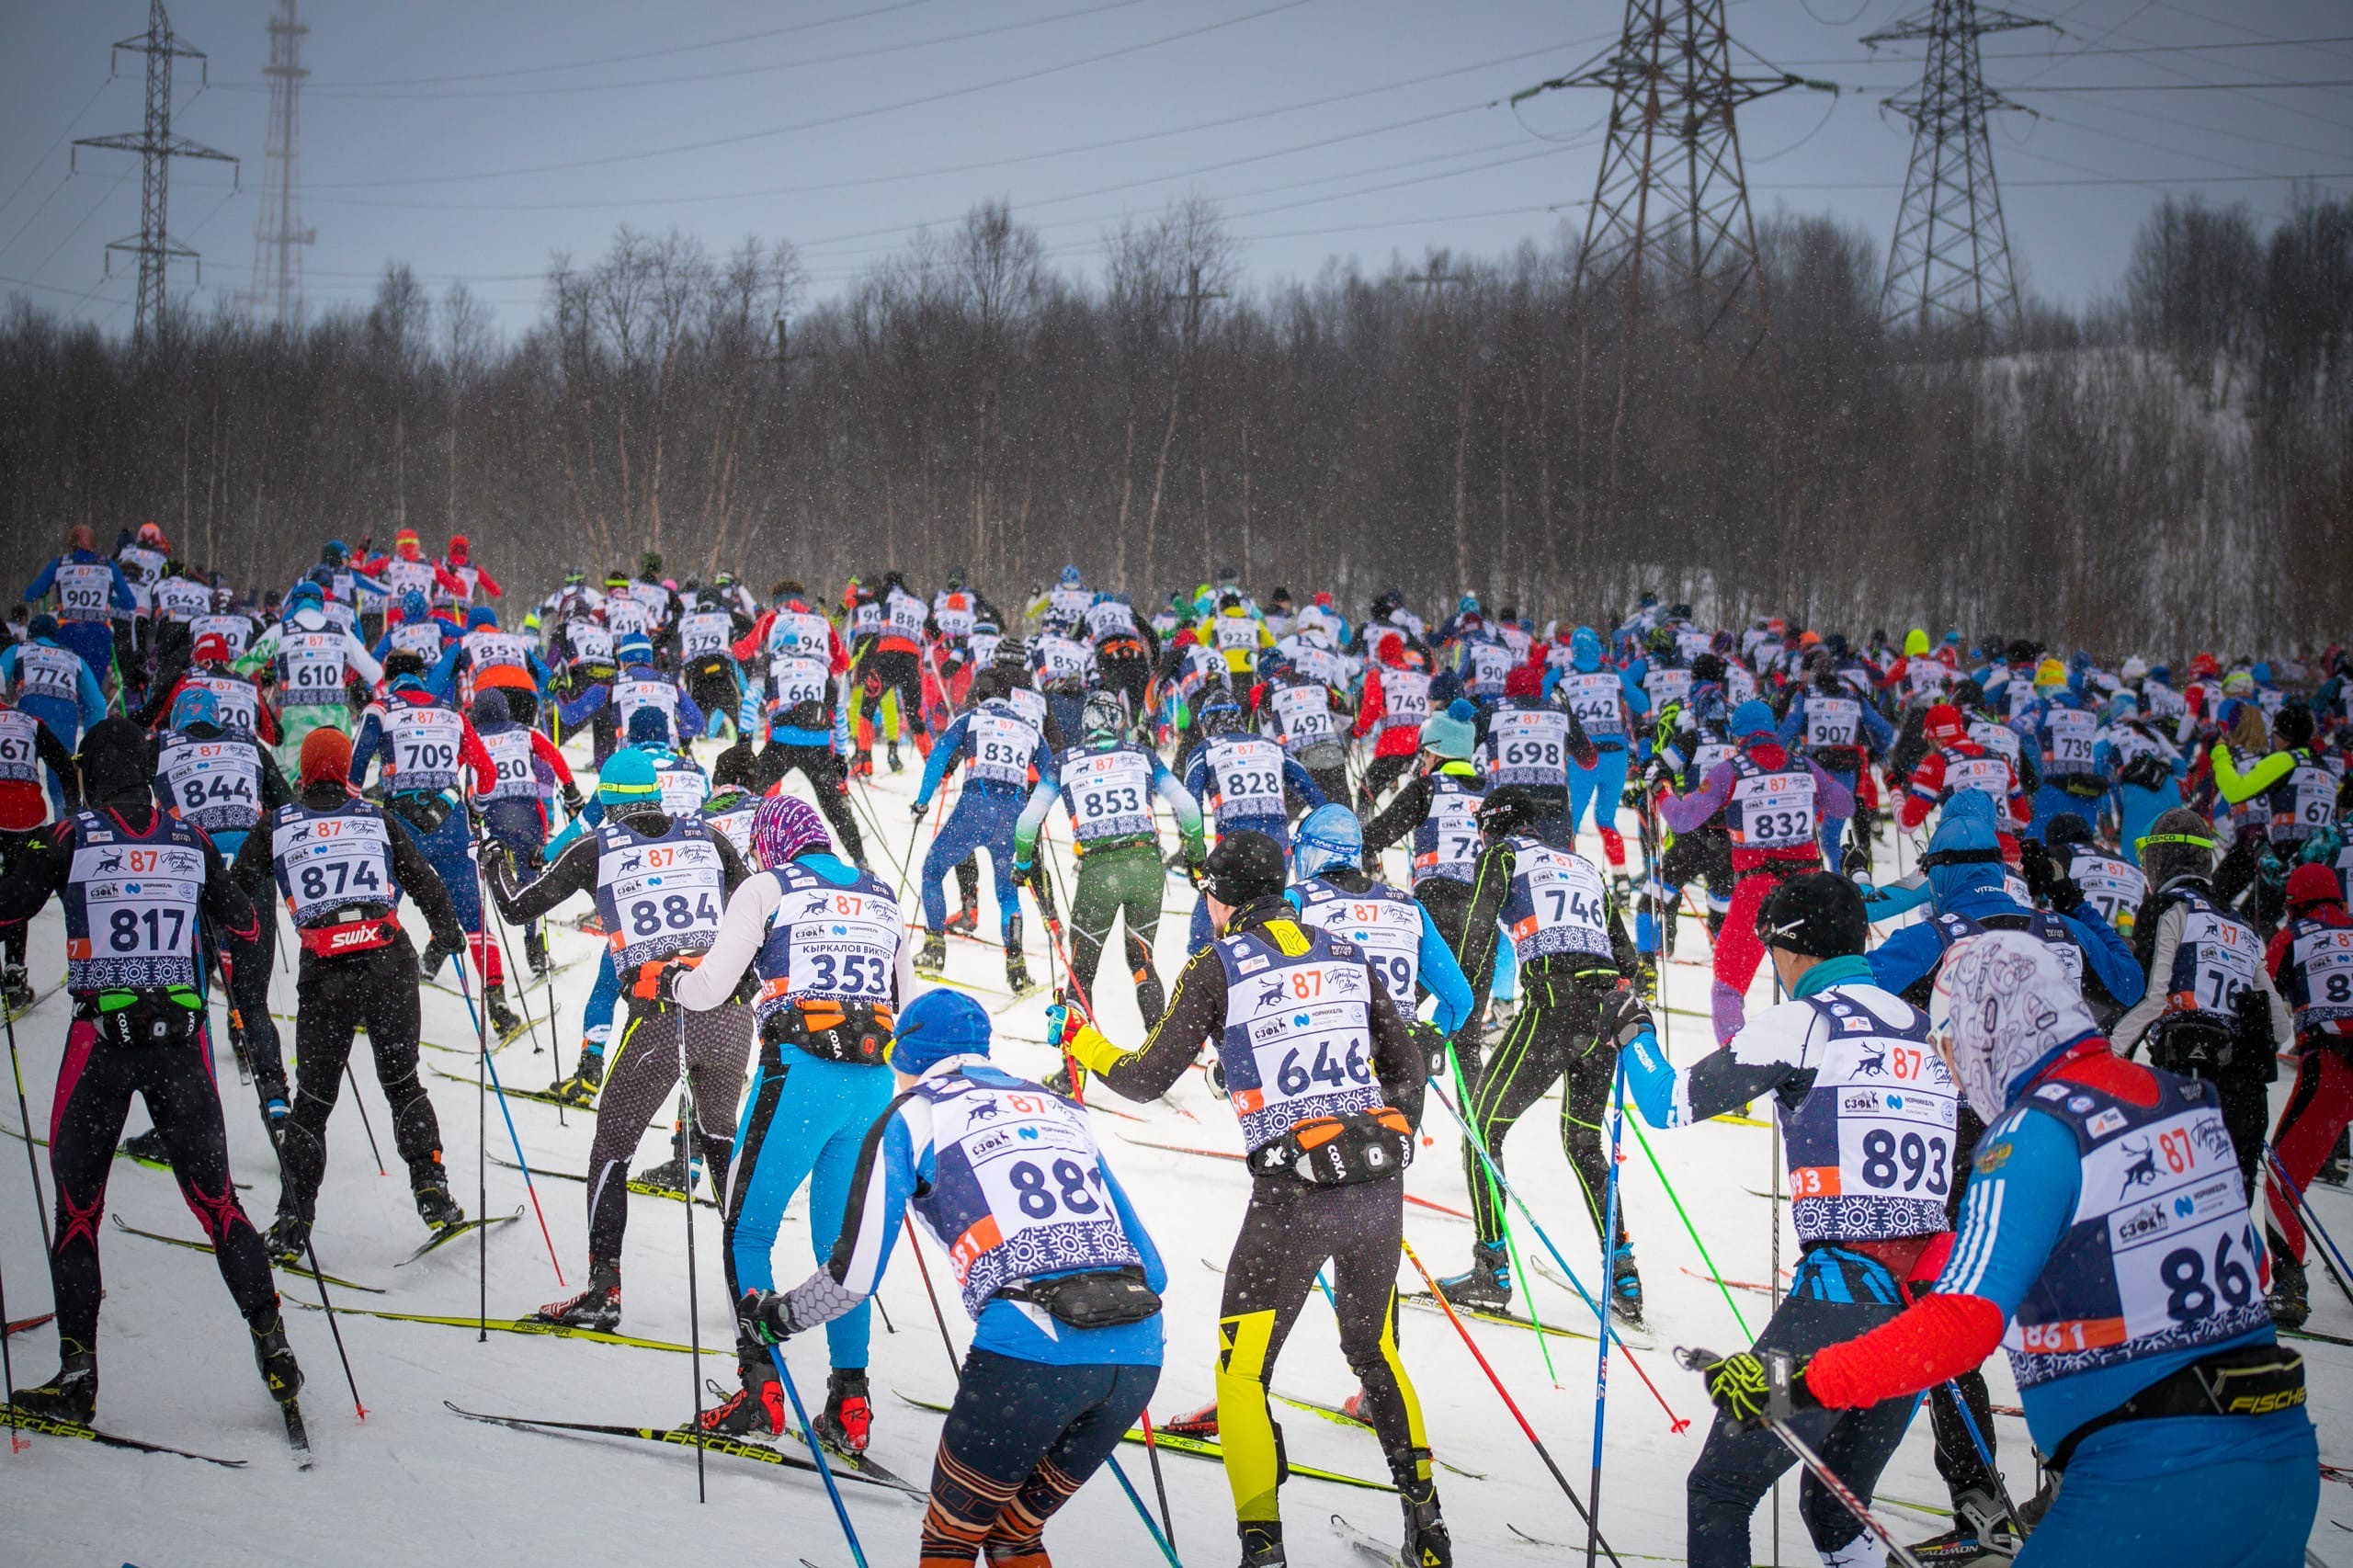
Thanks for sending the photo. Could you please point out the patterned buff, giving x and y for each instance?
(783, 827)
(2006, 1007)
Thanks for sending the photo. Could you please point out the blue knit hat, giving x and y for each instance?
(628, 777)
(1448, 734)
(1751, 718)
(938, 1025)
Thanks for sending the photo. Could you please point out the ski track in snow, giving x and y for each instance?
(413, 1484)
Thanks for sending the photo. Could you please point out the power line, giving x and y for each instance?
(868, 113)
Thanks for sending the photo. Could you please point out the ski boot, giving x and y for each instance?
(429, 963)
(273, 1108)
(503, 1021)
(1201, 1422)
(967, 918)
(2288, 1303)
(280, 1373)
(1059, 1081)
(587, 1076)
(1981, 1532)
(1487, 1287)
(757, 1407)
(535, 950)
(149, 1148)
(15, 990)
(1625, 1286)
(1016, 975)
(288, 1238)
(848, 1417)
(72, 1395)
(2335, 1169)
(932, 958)
(436, 1208)
(597, 1307)
(1262, 1544)
(891, 757)
(1427, 1543)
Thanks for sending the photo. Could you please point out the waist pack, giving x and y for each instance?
(1342, 1151)
(856, 1032)
(352, 931)
(2255, 1380)
(148, 1019)
(1090, 1301)
(425, 813)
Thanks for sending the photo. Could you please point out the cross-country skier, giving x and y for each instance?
(824, 941)
(2311, 964)
(1039, 1404)
(1327, 1082)
(1865, 1112)
(46, 678)
(141, 891)
(1242, 781)
(2148, 1367)
(26, 745)
(999, 751)
(320, 669)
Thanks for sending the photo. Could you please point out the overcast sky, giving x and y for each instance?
(473, 139)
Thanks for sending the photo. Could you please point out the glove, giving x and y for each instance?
(1632, 798)
(2034, 864)
(1743, 1387)
(666, 983)
(1426, 1035)
(574, 802)
(1060, 1026)
(1624, 1016)
(916, 810)
(2063, 896)
(763, 1315)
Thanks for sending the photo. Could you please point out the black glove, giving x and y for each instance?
(666, 983)
(761, 1315)
(1750, 1388)
(1624, 1014)
(2062, 895)
(575, 801)
(2034, 864)
(1432, 1041)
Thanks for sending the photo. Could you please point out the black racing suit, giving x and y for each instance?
(103, 1068)
(376, 990)
(1555, 1034)
(1446, 898)
(1289, 1232)
(642, 1065)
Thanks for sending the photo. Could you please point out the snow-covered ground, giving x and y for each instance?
(415, 1484)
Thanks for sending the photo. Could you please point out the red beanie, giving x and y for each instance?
(2312, 883)
(326, 754)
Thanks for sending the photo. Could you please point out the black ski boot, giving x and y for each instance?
(848, 1417)
(2288, 1303)
(287, 1240)
(2335, 1169)
(1487, 1287)
(587, 1076)
(1980, 1533)
(436, 1208)
(932, 957)
(1427, 1543)
(757, 1407)
(15, 990)
(535, 950)
(149, 1148)
(1016, 967)
(891, 757)
(72, 1395)
(1625, 1286)
(279, 1372)
(597, 1307)
(1262, 1545)
(503, 1021)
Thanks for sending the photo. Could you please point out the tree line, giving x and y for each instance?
(2170, 468)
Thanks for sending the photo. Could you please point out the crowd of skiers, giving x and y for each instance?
(2021, 1083)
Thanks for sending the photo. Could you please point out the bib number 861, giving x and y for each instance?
(2188, 1294)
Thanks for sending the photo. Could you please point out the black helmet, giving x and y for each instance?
(1709, 666)
(2066, 828)
(2292, 726)
(1243, 868)
(1819, 915)
(1506, 811)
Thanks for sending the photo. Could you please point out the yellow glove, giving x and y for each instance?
(1091, 1050)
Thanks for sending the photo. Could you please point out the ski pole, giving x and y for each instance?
(689, 1137)
(361, 1106)
(1777, 1365)
(1985, 1452)
(1505, 1394)
(24, 1114)
(486, 1066)
(1167, 1547)
(1675, 1423)
(817, 1452)
(523, 992)
(954, 1366)
(2337, 1270)
(1601, 1359)
(17, 1443)
(1683, 1214)
(1167, 1531)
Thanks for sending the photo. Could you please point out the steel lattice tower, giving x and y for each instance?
(278, 232)
(156, 147)
(1950, 263)
(1669, 226)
